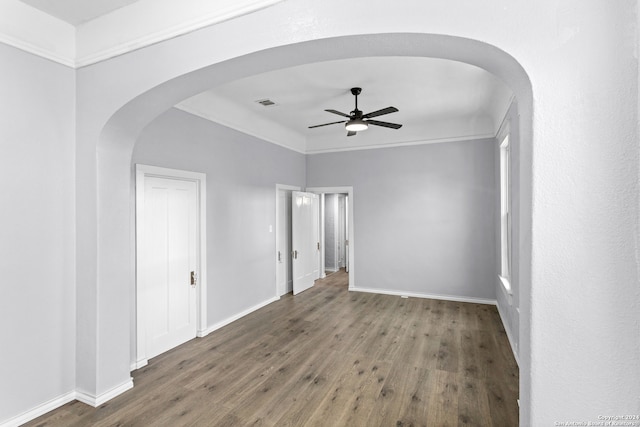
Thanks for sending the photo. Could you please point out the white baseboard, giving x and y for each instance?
(204, 332)
(507, 328)
(423, 295)
(139, 364)
(96, 401)
(235, 317)
(39, 410)
(63, 400)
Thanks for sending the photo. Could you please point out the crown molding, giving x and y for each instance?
(96, 40)
(140, 24)
(275, 134)
(237, 118)
(37, 50)
(31, 30)
(423, 141)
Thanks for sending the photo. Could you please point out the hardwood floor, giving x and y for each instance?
(327, 357)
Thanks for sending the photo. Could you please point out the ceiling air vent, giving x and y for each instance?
(266, 102)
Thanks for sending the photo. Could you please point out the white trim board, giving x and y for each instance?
(57, 402)
(401, 144)
(96, 401)
(509, 334)
(39, 410)
(138, 364)
(235, 317)
(94, 41)
(268, 130)
(424, 295)
(40, 34)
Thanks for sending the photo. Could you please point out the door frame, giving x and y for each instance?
(281, 187)
(349, 191)
(200, 179)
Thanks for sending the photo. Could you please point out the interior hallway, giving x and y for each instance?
(327, 357)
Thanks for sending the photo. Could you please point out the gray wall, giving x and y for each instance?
(242, 172)
(37, 234)
(424, 216)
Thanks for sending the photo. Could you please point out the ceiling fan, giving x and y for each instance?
(357, 121)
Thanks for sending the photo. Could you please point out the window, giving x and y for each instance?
(505, 214)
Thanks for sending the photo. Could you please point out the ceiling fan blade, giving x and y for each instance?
(351, 133)
(338, 113)
(387, 110)
(326, 124)
(384, 124)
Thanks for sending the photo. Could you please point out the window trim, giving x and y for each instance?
(505, 210)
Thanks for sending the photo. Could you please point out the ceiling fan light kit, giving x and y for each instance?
(356, 125)
(357, 121)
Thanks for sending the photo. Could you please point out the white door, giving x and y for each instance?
(169, 252)
(283, 243)
(305, 240)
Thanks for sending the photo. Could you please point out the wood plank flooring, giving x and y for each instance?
(327, 357)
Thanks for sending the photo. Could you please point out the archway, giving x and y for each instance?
(115, 198)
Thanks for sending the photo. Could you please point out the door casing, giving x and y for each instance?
(286, 255)
(351, 234)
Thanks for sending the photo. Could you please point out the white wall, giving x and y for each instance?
(584, 264)
(37, 237)
(424, 216)
(242, 173)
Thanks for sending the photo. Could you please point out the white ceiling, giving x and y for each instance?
(77, 12)
(438, 100)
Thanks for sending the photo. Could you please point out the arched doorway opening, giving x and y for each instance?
(115, 197)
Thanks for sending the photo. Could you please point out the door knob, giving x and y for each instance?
(194, 278)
